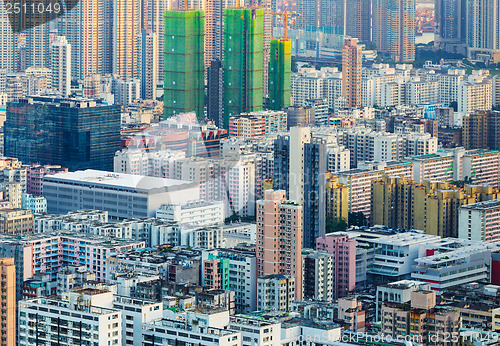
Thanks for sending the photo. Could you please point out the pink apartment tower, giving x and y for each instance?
(344, 250)
(279, 238)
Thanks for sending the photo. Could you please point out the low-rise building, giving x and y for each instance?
(83, 316)
(197, 213)
(427, 323)
(122, 195)
(232, 269)
(397, 292)
(16, 221)
(275, 292)
(453, 263)
(352, 313)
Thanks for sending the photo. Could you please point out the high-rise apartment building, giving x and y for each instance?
(475, 94)
(16, 221)
(337, 199)
(149, 64)
(126, 36)
(215, 97)
(279, 238)
(299, 136)
(153, 19)
(394, 28)
(343, 250)
(451, 25)
(314, 165)
(351, 72)
(483, 31)
(397, 202)
(279, 74)
(87, 28)
(358, 19)
(8, 302)
(243, 61)
(7, 41)
(479, 221)
(38, 41)
(74, 133)
(60, 54)
(481, 130)
(481, 167)
(184, 68)
(328, 14)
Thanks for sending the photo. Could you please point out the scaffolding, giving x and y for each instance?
(184, 67)
(243, 61)
(279, 74)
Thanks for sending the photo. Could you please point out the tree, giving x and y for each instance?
(454, 105)
(357, 219)
(294, 64)
(232, 218)
(336, 224)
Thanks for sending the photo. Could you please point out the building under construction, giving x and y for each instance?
(184, 66)
(243, 61)
(279, 74)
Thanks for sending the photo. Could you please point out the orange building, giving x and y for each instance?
(351, 72)
(8, 302)
(279, 238)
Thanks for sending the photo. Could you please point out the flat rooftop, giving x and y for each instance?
(488, 205)
(120, 180)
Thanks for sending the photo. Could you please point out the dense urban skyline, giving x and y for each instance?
(242, 173)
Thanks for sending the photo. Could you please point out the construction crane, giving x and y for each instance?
(286, 15)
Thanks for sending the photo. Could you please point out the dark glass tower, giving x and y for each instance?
(77, 134)
(314, 192)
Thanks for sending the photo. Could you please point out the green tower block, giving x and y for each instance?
(184, 82)
(243, 61)
(279, 74)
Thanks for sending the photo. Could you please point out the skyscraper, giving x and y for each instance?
(60, 51)
(184, 68)
(37, 46)
(328, 14)
(483, 29)
(74, 133)
(351, 72)
(126, 34)
(85, 28)
(394, 28)
(6, 41)
(451, 25)
(279, 238)
(149, 64)
(358, 19)
(214, 22)
(314, 192)
(8, 301)
(153, 18)
(243, 61)
(215, 99)
(279, 74)
(299, 136)
(281, 163)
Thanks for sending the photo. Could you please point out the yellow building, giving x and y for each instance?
(16, 221)
(430, 206)
(8, 302)
(337, 198)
